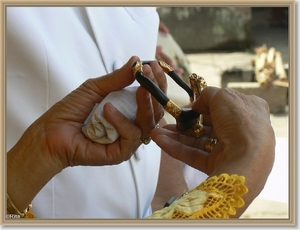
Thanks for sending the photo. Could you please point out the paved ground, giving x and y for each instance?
(211, 65)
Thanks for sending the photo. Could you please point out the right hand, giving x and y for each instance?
(56, 141)
(58, 135)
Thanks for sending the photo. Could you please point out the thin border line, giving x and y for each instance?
(128, 222)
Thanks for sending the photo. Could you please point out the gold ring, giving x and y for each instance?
(210, 144)
(145, 140)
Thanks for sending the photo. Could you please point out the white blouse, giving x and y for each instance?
(50, 51)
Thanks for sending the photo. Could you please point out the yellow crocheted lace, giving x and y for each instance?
(216, 197)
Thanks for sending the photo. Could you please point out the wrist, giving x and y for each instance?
(29, 168)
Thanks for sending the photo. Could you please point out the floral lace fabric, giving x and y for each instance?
(216, 197)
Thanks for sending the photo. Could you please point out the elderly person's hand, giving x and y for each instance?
(56, 141)
(246, 141)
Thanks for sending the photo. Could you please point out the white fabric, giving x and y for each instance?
(97, 128)
(49, 53)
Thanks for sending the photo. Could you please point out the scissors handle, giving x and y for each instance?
(185, 119)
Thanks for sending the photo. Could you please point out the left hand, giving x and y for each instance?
(246, 139)
(241, 123)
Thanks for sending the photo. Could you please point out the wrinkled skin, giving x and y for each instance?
(56, 141)
(246, 140)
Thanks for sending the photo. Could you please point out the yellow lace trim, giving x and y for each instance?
(216, 197)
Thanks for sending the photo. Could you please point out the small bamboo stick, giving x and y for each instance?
(270, 63)
(279, 68)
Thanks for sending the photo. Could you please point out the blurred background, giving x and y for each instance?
(245, 48)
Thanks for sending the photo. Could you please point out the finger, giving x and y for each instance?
(179, 71)
(116, 80)
(159, 77)
(163, 28)
(165, 58)
(202, 104)
(191, 141)
(92, 91)
(206, 120)
(207, 131)
(145, 114)
(128, 141)
(158, 51)
(155, 73)
(181, 147)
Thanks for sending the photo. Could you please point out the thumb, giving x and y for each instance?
(115, 80)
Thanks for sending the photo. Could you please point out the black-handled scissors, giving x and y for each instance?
(186, 119)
